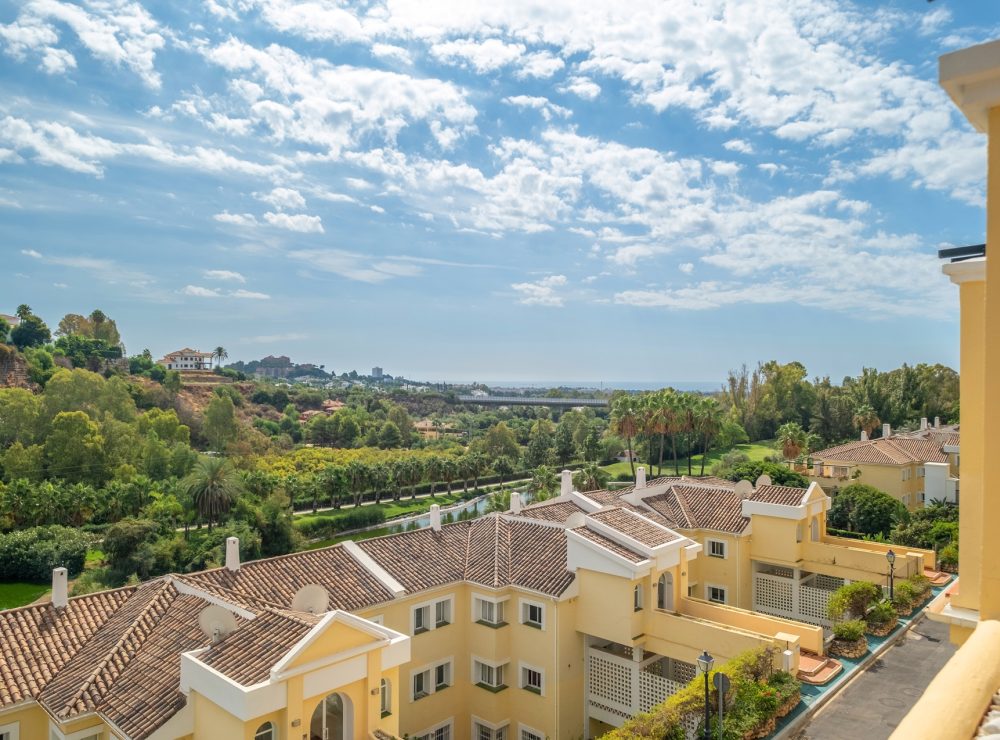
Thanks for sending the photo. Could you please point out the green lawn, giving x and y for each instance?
(19, 594)
(394, 509)
(755, 451)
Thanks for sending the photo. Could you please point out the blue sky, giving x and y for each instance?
(564, 190)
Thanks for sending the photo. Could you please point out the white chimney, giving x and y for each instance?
(864, 436)
(233, 553)
(435, 517)
(923, 423)
(640, 477)
(60, 588)
(515, 503)
(567, 483)
(886, 430)
(937, 422)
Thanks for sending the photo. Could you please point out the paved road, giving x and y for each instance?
(875, 702)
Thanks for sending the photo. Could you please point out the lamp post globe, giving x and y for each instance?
(705, 663)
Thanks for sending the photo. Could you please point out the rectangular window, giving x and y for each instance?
(489, 676)
(442, 613)
(920, 472)
(532, 614)
(528, 734)
(482, 731)
(716, 594)
(421, 684)
(716, 548)
(531, 679)
(442, 676)
(637, 598)
(421, 619)
(489, 612)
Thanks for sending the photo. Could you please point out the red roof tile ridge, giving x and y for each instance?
(81, 598)
(496, 552)
(127, 645)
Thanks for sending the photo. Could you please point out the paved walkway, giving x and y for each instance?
(871, 706)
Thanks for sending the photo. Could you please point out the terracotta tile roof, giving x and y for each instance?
(700, 507)
(885, 451)
(782, 495)
(610, 544)
(553, 511)
(248, 654)
(274, 581)
(423, 558)
(538, 558)
(633, 525)
(37, 641)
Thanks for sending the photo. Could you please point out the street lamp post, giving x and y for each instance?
(891, 557)
(705, 663)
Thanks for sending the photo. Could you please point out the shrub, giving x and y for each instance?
(949, 556)
(31, 554)
(850, 631)
(325, 526)
(881, 614)
(905, 595)
(862, 508)
(852, 599)
(921, 584)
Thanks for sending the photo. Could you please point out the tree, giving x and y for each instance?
(863, 508)
(590, 477)
(866, 419)
(31, 332)
(4, 330)
(213, 487)
(220, 422)
(539, 450)
(544, 482)
(357, 476)
(23, 311)
(219, 354)
(504, 467)
(709, 421)
(74, 448)
(565, 447)
(389, 437)
(500, 441)
(449, 471)
(478, 464)
(625, 420)
(335, 482)
(792, 439)
(592, 445)
(779, 474)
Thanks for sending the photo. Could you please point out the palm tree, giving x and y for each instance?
(543, 482)
(866, 419)
(219, 354)
(433, 469)
(625, 421)
(357, 479)
(213, 487)
(23, 311)
(675, 419)
(449, 471)
(504, 465)
(792, 439)
(591, 477)
(649, 412)
(709, 420)
(688, 408)
(478, 464)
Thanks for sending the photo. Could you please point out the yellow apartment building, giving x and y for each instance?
(959, 698)
(913, 467)
(558, 620)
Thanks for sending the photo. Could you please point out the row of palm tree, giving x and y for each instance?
(667, 414)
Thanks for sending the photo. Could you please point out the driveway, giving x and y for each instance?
(874, 702)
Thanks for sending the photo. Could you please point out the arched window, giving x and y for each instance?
(637, 598)
(665, 592)
(265, 732)
(385, 690)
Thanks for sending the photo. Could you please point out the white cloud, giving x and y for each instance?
(237, 219)
(483, 56)
(31, 253)
(629, 256)
(225, 275)
(105, 270)
(543, 292)
(249, 294)
(389, 51)
(283, 199)
(355, 266)
(539, 103)
(739, 145)
(200, 292)
(583, 87)
(686, 267)
(540, 64)
(300, 222)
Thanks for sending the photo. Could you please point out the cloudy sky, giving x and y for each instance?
(566, 190)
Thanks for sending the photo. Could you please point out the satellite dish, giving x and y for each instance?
(744, 489)
(216, 622)
(311, 598)
(764, 480)
(576, 519)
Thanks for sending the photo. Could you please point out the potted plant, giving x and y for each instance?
(881, 619)
(849, 639)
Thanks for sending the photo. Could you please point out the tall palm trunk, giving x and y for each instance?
(690, 442)
(673, 449)
(704, 454)
(631, 456)
(659, 464)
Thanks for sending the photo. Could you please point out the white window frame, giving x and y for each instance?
(503, 665)
(522, 613)
(522, 683)
(385, 697)
(920, 471)
(638, 603)
(429, 732)
(431, 607)
(498, 602)
(377, 619)
(14, 729)
(493, 727)
(428, 683)
(449, 665)
(708, 593)
(91, 732)
(272, 728)
(449, 612)
(725, 549)
(522, 730)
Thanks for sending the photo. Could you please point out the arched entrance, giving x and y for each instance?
(332, 719)
(665, 592)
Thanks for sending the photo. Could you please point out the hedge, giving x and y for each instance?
(31, 554)
(326, 526)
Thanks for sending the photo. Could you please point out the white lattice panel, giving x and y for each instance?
(610, 683)
(654, 690)
(682, 672)
(813, 605)
(772, 595)
(828, 583)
